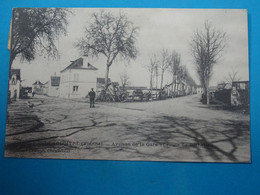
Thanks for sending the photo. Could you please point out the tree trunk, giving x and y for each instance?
(151, 80)
(172, 86)
(161, 81)
(12, 57)
(175, 84)
(106, 77)
(207, 88)
(178, 84)
(156, 80)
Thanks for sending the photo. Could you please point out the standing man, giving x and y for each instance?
(92, 96)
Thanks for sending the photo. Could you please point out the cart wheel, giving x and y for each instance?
(122, 97)
(108, 98)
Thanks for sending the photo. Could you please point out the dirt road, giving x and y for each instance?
(180, 129)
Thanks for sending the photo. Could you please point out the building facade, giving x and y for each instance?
(37, 87)
(77, 79)
(15, 83)
(199, 90)
(51, 87)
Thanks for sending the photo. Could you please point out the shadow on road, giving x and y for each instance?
(218, 140)
(194, 139)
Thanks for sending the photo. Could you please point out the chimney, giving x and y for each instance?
(85, 61)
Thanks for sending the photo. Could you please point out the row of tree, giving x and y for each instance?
(164, 61)
(35, 30)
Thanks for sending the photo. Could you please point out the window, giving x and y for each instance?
(75, 89)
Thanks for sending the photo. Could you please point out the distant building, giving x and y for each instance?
(240, 93)
(177, 88)
(212, 91)
(15, 83)
(168, 88)
(222, 86)
(134, 87)
(77, 79)
(199, 89)
(51, 87)
(46, 88)
(37, 87)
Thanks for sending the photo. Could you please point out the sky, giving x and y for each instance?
(171, 29)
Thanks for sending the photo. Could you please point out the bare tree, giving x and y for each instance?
(173, 68)
(152, 67)
(34, 30)
(163, 64)
(207, 46)
(156, 74)
(232, 76)
(190, 82)
(110, 36)
(124, 79)
(182, 76)
(182, 73)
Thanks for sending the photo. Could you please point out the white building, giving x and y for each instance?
(51, 87)
(37, 87)
(177, 88)
(199, 89)
(15, 83)
(77, 79)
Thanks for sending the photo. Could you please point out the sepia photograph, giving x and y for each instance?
(133, 84)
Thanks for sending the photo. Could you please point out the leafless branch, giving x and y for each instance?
(109, 35)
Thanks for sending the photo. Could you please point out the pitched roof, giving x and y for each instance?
(55, 81)
(240, 82)
(17, 72)
(79, 64)
(224, 86)
(37, 83)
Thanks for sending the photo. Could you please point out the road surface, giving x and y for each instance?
(179, 129)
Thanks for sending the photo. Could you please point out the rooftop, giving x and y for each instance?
(16, 72)
(79, 64)
(37, 83)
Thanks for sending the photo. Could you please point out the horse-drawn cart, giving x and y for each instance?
(114, 93)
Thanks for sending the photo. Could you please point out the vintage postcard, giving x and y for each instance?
(129, 84)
